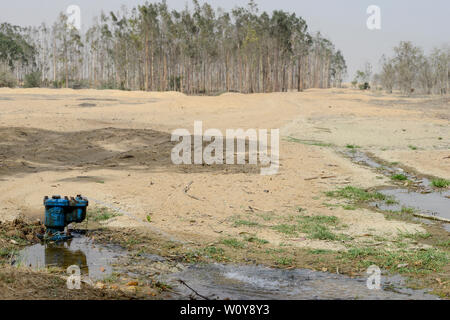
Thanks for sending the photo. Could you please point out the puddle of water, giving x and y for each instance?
(94, 261)
(427, 201)
(362, 158)
(435, 204)
(219, 281)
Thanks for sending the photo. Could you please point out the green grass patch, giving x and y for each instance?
(356, 194)
(318, 219)
(315, 227)
(349, 207)
(234, 243)
(352, 146)
(414, 236)
(318, 231)
(256, 240)
(444, 244)
(402, 261)
(283, 261)
(412, 147)
(440, 183)
(209, 252)
(7, 252)
(287, 229)
(391, 201)
(407, 210)
(399, 177)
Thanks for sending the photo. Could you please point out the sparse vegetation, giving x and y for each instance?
(101, 214)
(7, 80)
(33, 80)
(440, 183)
(391, 201)
(256, 240)
(231, 242)
(403, 261)
(356, 194)
(247, 223)
(309, 142)
(315, 227)
(407, 210)
(283, 261)
(399, 177)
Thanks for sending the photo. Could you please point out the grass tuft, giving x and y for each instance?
(402, 261)
(399, 177)
(440, 183)
(234, 243)
(315, 227)
(239, 223)
(101, 214)
(356, 194)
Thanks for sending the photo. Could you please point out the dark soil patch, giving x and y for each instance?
(25, 150)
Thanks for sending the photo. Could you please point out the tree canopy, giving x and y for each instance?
(197, 50)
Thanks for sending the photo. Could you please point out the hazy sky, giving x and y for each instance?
(426, 23)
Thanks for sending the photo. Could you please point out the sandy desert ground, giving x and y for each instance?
(114, 147)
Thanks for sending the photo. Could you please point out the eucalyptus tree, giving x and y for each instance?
(67, 50)
(338, 69)
(15, 50)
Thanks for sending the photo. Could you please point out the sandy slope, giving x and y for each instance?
(114, 147)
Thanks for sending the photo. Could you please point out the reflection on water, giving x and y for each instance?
(94, 261)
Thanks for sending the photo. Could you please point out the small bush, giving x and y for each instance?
(364, 86)
(7, 80)
(32, 80)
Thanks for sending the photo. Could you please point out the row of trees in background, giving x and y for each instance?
(198, 51)
(410, 70)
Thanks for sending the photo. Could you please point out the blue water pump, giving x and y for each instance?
(59, 213)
